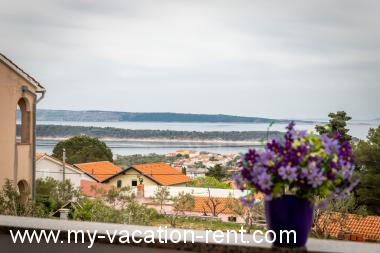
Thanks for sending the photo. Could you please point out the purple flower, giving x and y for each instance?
(238, 181)
(331, 146)
(291, 125)
(267, 158)
(347, 170)
(288, 173)
(310, 171)
(298, 134)
(274, 146)
(316, 179)
(288, 134)
(307, 165)
(251, 155)
(257, 171)
(264, 181)
(247, 201)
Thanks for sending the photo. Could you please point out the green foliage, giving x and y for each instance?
(67, 115)
(115, 206)
(53, 194)
(11, 203)
(208, 182)
(234, 163)
(252, 214)
(367, 159)
(135, 213)
(337, 123)
(181, 203)
(110, 132)
(161, 195)
(217, 171)
(96, 210)
(81, 149)
(125, 161)
(199, 165)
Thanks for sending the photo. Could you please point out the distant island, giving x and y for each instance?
(110, 133)
(110, 116)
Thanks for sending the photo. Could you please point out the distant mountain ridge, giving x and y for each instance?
(106, 116)
(62, 132)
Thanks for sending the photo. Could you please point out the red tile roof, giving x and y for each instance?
(99, 170)
(162, 173)
(89, 188)
(366, 226)
(203, 203)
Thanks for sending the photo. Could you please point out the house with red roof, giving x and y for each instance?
(100, 171)
(51, 167)
(150, 174)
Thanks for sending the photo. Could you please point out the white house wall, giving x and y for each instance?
(46, 168)
(196, 191)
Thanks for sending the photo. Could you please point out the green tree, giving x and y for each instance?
(136, 213)
(126, 161)
(53, 194)
(11, 204)
(217, 171)
(208, 182)
(199, 164)
(114, 205)
(161, 195)
(83, 148)
(367, 159)
(253, 215)
(181, 203)
(96, 210)
(337, 123)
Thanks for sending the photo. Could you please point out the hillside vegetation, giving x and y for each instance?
(59, 131)
(104, 116)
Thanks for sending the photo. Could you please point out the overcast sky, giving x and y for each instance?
(281, 59)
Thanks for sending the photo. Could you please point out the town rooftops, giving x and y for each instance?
(161, 173)
(99, 170)
(366, 226)
(20, 72)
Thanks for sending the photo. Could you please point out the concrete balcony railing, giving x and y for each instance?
(102, 243)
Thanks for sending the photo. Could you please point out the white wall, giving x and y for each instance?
(195, 191)
(47, 168)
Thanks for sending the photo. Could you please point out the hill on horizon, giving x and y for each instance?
(106, 116)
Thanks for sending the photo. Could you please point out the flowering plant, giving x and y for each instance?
(302, 164)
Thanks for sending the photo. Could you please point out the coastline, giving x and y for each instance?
(166, 140)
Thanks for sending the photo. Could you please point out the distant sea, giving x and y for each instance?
(358, 129)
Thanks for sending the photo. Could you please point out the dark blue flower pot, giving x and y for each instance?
(289, 213)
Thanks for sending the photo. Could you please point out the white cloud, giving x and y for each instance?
(268, 58)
